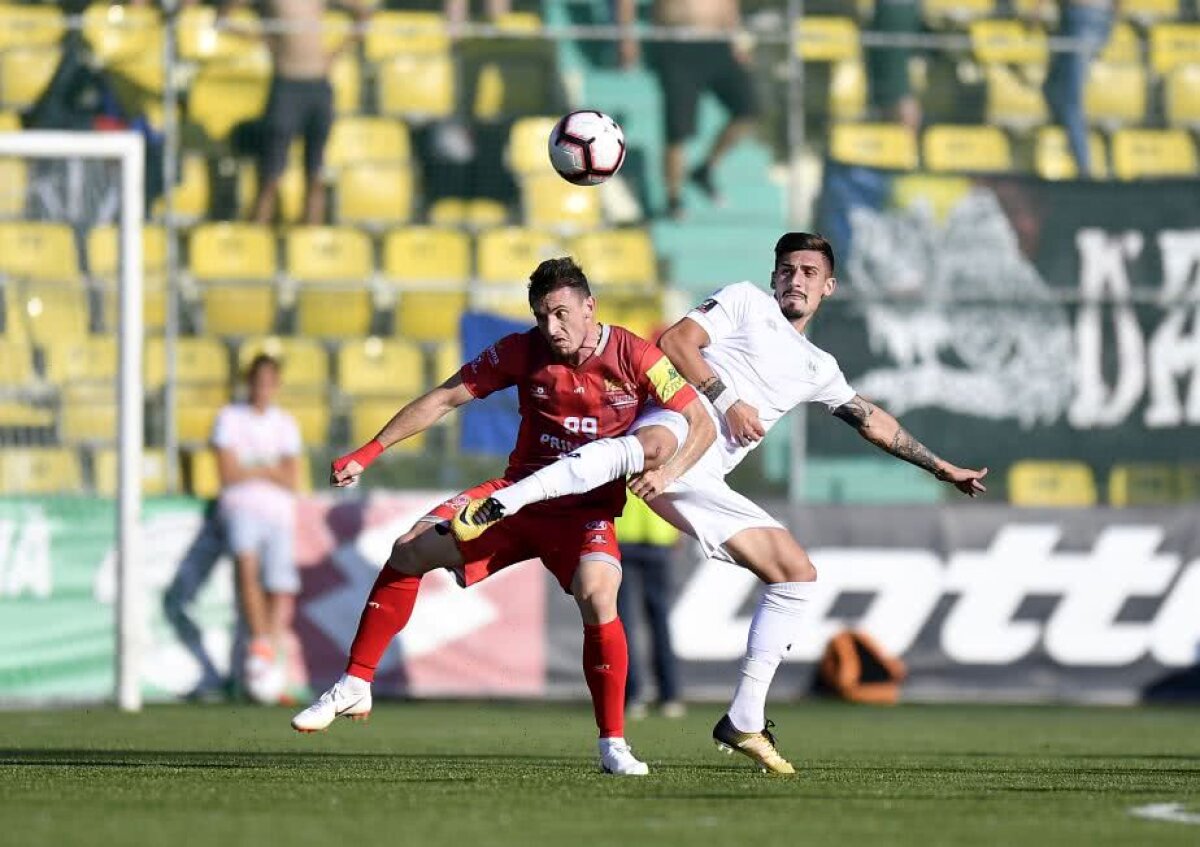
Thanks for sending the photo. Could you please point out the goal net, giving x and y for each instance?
(71, 407)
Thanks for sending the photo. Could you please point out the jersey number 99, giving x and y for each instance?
(585, 425)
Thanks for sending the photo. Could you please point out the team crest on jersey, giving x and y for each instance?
(598, 539)
(596, 526)
(707, 306)
(539, 392)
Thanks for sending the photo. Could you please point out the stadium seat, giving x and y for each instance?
(826, 38)
(196, 411)
(337, 31)
(17, 414)
(119, 32)
(1124, 45)
(527, 143)
(1115, 95)
(939, 193)
(345, 75)
(510, 254)
(291, 187)
(475, 213)
(1052, 157)
(1181, 97)
(53, 310)
(102, 268)
(191, 197)
(421, 259)
(1144, 485)
(394, 33)
(38, 250)
(1149, 153)
(519, 22)
(311, 412)
(198, 362)
(39, 470)
(1146, 12)
(234, 266)
(375, 194)
(14, 187)
(305, 361)
(554, 204)
(201, 41)
(955, 14)
(219, 99)
(641, 314)
(358, 139)
(848, 90)
(1013, 100)
(380, 367)
(888, 146)
(204, 477)
(333, 268)
(1038, 483)
(447, 361)
(429, 315)
(104, 472)
(1008, 42)
(10, 121)
(1172, 45)
(16, 365)
(82, 359)
(89, 413)
(367, 417)
(966, 149)
(419, 88)
(27, 25)
(24, 74)
(617, 257)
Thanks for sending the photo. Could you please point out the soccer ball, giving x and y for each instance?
(587, 147)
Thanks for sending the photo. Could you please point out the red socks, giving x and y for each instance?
(389, 606)
(605, 666)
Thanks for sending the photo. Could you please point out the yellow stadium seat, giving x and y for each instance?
(305, 361)
(25, 415)
(528, 142)
(475, 213)
(417, 87)
(291, 187)
(198, 362)
(1052, 157)
(447, 361)
(337, 31)
(1012, 100)
(89, 413)
(421, 254)
(1115, 95)
(204, 477)
(14, 187)
(553, 203)
(520, 22)
(328, 254)
(507, 302)
(848, 90)
(104, 472)
(38, 250)
(325, 311)
(1008, 42)
(1038, 483)
(53, 310)
(24, 25)
(16, 364)
(82, 359)
(232, 251)
(117, 32)
(1172, 45)
(641, 314)
(201, 41)
(955, 14)
(1144, 485)
(1142, 153)
(405, 33)
(311, 412)
(220, 99)
(375, 194)
(196, 411)
(966, 149)
(939, 193)
(429, 315)
(191, 196)
(1150, 11)
(1124, 45)
(822, 38)
(889, 146)
(358, 139)
(10, 121)
(381, 367)
(25, 73)
(345, 75)
(39, 470)
(1181, 96)
(367, 417)
(238, 308)
(510, 254)
(102, 267)
(617, 257)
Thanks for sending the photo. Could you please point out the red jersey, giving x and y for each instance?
(563, 406)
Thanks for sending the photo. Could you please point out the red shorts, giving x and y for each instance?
(561, 539)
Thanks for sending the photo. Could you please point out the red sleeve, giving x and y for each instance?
(659, 379)
(497, 367)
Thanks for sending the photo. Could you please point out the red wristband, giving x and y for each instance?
(364, 455)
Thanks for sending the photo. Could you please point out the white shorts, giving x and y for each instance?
(701, 503)
(272, 543)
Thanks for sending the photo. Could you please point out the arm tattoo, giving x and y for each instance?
(857, 413)
(712, 388)
(905, 447)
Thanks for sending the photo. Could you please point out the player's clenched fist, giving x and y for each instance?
(744, 425)
(345, 470)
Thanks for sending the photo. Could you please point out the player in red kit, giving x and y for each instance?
(580, 384)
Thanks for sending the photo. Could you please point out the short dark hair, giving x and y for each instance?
(260, 361)
(554, 274)
(790, 242)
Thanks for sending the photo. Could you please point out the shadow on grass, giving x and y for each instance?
(255, 759)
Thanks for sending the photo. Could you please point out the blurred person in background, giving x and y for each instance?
(459, 11)
(1091, 22)
(647, 542)
(686, 69)
(887, 68)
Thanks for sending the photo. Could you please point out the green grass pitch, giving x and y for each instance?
(523, 774)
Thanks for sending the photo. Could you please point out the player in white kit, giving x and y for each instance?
(744, 349)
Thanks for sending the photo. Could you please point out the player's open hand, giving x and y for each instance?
(967, 481)
(649, 484)
(744, 425)
(344, 472)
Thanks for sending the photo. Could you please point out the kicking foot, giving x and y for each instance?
(702, 178)
(350, 697)
(757, 746)
(616, 757)
(473, 519)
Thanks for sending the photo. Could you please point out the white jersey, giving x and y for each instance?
(258, 440)
(761, 357)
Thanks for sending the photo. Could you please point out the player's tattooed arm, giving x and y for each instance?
(712, 388)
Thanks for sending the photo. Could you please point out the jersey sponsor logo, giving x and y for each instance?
(596, 526)
(707, 306)
(619, 394)
(562, 445)
(666, 380)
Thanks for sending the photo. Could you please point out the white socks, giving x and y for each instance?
(775, 625)
(578, 472)
(354, 684)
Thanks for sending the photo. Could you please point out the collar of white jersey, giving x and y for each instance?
(605, 332)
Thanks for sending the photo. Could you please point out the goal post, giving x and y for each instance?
(126, 149)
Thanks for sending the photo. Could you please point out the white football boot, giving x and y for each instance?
(350, 697)
(616, 757)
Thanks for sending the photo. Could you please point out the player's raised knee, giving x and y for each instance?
(658, 443)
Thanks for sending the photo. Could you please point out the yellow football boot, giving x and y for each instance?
(473, 519)
(758, 746)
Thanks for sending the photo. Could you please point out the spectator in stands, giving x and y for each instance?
(887, 68)
(647, 542)
(300, 101)
(686, 69)
(1089, 21)
(458, 11)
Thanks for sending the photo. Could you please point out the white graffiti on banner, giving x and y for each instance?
(1022, 561)
(25, 567)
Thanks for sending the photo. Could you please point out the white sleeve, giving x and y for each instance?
(725, 310)
(836, 391)
(223, 427)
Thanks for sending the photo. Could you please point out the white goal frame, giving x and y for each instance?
(127, 149)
